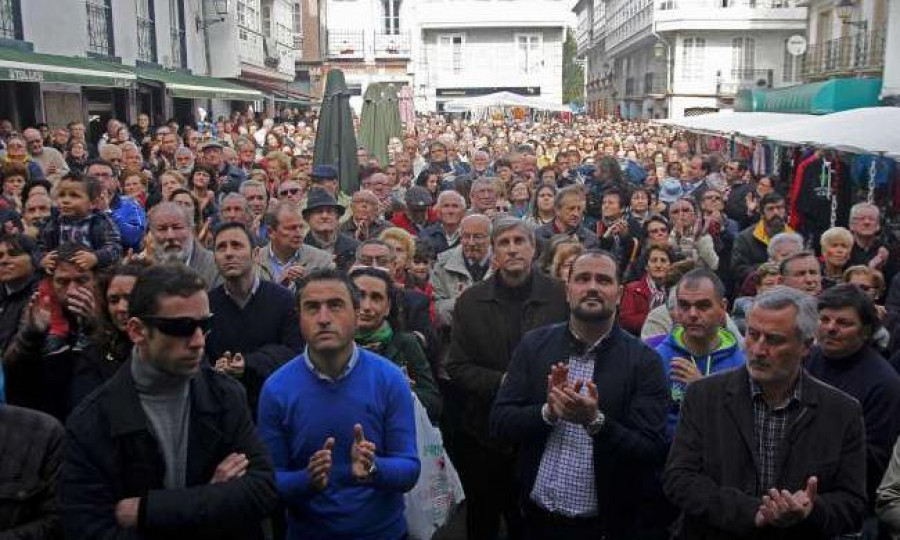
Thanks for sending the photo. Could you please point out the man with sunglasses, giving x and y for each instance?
(167, 444)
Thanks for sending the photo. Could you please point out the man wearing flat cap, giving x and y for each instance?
(414, 218)
(326, 177)
(230, 177)
(323, 213)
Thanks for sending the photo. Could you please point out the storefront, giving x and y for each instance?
(59, 89)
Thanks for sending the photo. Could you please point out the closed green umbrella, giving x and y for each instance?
(380, 119)
(335, 140)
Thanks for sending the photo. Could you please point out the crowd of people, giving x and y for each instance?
(619, 333)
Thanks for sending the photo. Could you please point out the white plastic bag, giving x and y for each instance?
(438, 492)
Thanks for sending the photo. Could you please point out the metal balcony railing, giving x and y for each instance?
(392, 45)
(10, 19)
(667, 5)
(146, 40)
(178, 57)
(100, 27)
(861, 52)
(741, 78)
(348, 44)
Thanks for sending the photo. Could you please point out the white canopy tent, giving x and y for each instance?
(502, 100)
(728, 122)
(873, 130)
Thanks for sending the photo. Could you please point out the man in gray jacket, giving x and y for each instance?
(172, 240)
(287, 258)
(459, 268)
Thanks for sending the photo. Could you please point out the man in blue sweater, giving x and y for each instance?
(339, 423)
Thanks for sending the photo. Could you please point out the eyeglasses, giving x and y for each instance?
(659, 230)
(476, 237)
(712, 198)
(378, 262)
(179, 326)
(290, 191)
(682, 211)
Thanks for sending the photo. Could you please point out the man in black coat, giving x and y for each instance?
(166, 448)
(616, 424)
(322, 212)
(489, 320)
(769, 451)
(751, 245)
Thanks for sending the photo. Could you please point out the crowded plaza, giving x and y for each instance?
(518, 326)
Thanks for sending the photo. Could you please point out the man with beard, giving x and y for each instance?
(172, 240)
(585, 403)
(750, 245)
(489, 320)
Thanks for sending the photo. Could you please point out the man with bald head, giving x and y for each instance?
(172, 240)
(50, 159)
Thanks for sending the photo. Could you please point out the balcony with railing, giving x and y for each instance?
(10, 19)
(729, 84)
(250, 47)
(392, 45)
(857, 54)
(146, 40)
(674, 15)
(346, 44)
(100, 28)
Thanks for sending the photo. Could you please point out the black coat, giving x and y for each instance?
(633, 395)
(344, 250)
(711, 471)
(747, 254)
(31, 446)
(112, 454)
(481, 344)
(12, 306)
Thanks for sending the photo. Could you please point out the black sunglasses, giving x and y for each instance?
(290, 191)
(179, 326)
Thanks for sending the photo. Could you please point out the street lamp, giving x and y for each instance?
(844, 10)
(659, 50)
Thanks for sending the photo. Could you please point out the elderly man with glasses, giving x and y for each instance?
(50, 159)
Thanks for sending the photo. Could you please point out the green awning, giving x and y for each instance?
(24, 66)
(185, 85)
(823, 97)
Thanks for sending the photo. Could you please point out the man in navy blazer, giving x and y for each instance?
(586, 403)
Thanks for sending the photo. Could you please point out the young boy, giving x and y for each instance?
(78, 220)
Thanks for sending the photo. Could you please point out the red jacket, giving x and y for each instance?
(635, 306)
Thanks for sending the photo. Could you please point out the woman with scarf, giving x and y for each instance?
(378, 330)
(646, 294)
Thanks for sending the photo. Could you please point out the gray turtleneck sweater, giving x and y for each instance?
(166, 401)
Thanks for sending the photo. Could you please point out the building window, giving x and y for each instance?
(248, 14)
(146, 31)
(791, 68)
(692, 57)
(297, 12)
(743, 58)
(10, 19)
(450, 48)
(178, 53)
(391, 10)
(528, 53)
(100, 27)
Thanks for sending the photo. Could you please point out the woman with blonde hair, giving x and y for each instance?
(836, 243)
(404, 246)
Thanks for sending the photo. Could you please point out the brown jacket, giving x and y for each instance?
(481, 344)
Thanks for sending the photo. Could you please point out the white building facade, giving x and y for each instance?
(671, 58)
(846, 42)
(468, 48)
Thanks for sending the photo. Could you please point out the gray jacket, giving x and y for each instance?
(311, 258)
(204, 263)
(450, 278)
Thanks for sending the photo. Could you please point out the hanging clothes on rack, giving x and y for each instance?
(819, 183)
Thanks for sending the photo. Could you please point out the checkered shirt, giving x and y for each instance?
(565, 482)
(770, 426)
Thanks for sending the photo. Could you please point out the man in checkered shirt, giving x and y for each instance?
(585, 401)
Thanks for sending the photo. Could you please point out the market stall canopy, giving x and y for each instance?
(872, 130)
(24, 66)
(185, 85)
(727, 122)
(502, 100)
(823, 97)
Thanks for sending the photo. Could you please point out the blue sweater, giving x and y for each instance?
(298, 410)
